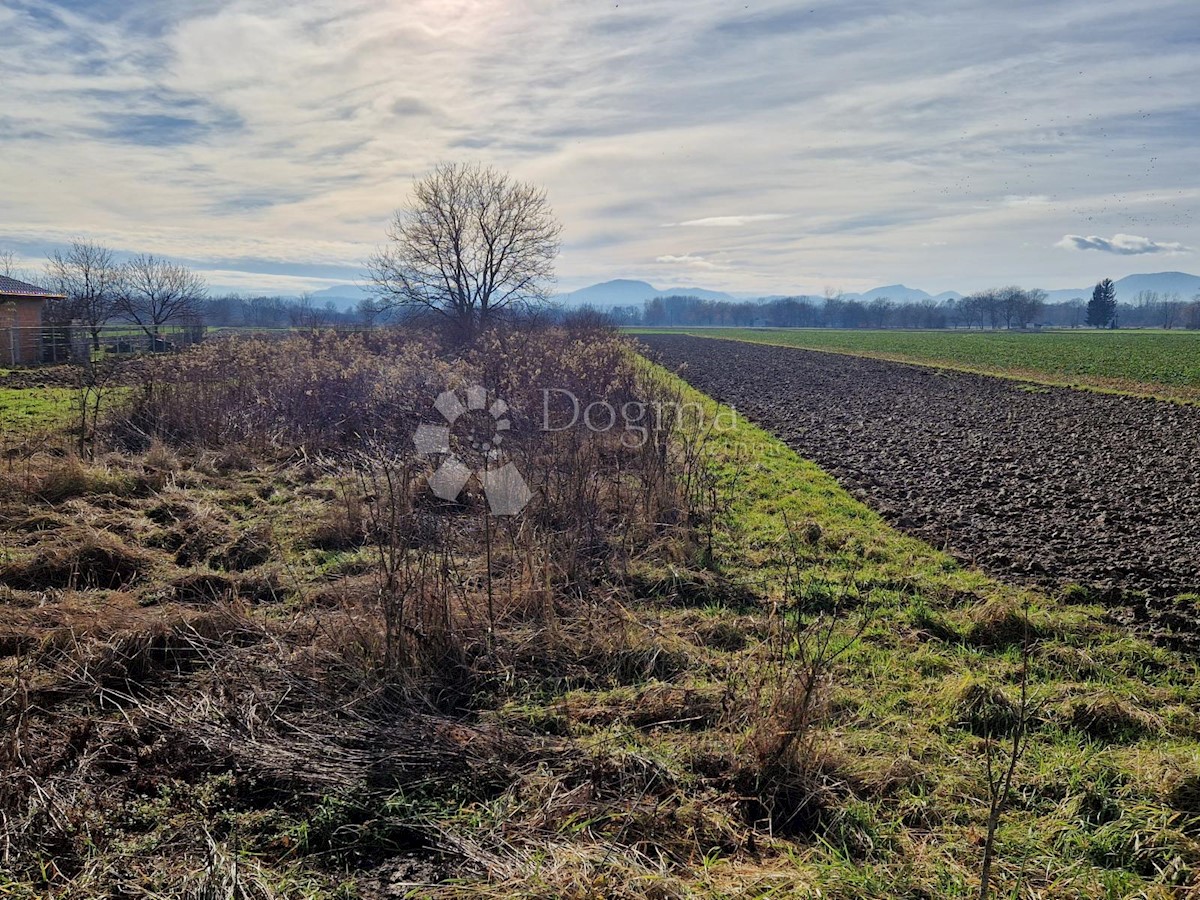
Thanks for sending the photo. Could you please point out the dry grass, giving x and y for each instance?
(251, 655)
(296, 673)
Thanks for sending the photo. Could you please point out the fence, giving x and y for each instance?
(54, 344)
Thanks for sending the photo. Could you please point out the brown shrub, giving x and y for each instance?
(323, 390)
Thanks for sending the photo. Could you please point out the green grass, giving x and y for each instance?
(1116, 728)
(1163, 363)
(24, 411)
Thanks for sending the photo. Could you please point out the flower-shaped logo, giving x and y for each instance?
(480, 433)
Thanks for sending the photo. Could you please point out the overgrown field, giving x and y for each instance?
(245, 652)
(1162, 363)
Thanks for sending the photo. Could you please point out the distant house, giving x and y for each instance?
(22, 308)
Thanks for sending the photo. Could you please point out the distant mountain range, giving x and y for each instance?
(902, 294)
(342, 294)
(1128, 288)
(627, 292)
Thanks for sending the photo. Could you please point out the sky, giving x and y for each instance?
(745, 146)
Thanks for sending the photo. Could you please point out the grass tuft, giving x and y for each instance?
(1110, 720)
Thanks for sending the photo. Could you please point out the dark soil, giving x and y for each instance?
(1044, 485)
(65, 376)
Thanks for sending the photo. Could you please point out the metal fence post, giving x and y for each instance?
(81, 350)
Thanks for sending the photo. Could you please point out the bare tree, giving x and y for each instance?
(90, 279)
(989, 305)
(1191, 314)
(370, 311)
(879, 311)
(10, 268)
(472, 243)
(155, 292)
(1170, 310)
(1075, 311)
(305, 313)
(1029, 306)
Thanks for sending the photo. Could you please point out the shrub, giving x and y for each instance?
(323, 390)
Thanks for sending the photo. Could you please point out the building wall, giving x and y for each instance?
(20, 330)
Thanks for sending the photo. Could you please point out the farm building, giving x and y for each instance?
(22, 307)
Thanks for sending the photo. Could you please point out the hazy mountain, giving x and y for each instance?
(1181, 283)
(627, 292)
(1162, 283)
(341, 292)
(702, 293)
(897, 293)
(618, 292)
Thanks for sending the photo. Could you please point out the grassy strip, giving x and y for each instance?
(1105, 800)
(1165, 365)
(27, 410)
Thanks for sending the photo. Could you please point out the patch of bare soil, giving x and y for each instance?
(1050, 486)
(65, 376)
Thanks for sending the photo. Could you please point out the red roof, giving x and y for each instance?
(10, 287)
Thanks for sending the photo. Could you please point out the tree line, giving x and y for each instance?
(154, 293)
(472, 246)
(146, 290)
(998, 308)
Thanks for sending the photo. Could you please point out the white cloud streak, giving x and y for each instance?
(688, 259)
(727, 221)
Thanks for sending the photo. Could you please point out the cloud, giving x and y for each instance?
(690, 259)
(244, 130)
(1121, 244)
(726, 221)
(1031, 200)
(240, 281)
